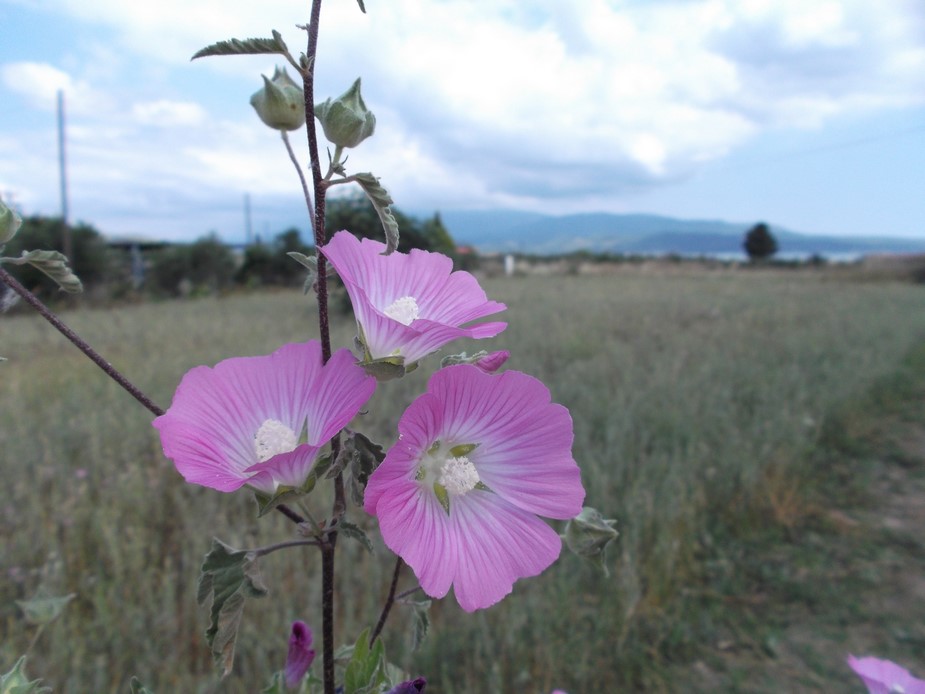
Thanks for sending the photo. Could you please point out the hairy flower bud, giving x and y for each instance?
(346, 120)
(588, 535)
(301, 654)
(9, 223)
(281, 102)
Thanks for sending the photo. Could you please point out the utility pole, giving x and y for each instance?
(62, 169)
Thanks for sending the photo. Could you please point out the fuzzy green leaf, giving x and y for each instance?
(381, 200)
(355, 532)
(16, 682)
(421, 622)
(365, 458)
(228, 577)
(385, 368)
(138, 688)
(245, 47)
(366, 669)
(53, 264)
(42, 611)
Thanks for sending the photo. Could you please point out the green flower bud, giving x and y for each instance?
(588, 535)
(346, 120)
(281, 102)
(9, 223)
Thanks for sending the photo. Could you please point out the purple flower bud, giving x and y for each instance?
(301, 654)
(409, 686)
(493, 361)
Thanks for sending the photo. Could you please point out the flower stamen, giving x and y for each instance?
(272, 438)
(458, 476)
(404, 310)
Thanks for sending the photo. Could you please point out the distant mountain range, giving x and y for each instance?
(644, 234)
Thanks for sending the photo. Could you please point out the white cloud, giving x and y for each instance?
(168, 114)
(478, 103)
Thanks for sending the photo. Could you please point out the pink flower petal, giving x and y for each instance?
(490, 537)
(445, 300)
(885, 677)
(210, 427)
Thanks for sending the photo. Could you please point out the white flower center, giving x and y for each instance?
(405, 310)
(458, 476)
(272, 438)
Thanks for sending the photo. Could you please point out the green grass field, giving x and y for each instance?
(700, 401)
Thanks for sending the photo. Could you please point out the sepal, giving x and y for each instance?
(588, 535)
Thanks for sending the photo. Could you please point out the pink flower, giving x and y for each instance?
(261, 421)
(493, 361)
(408, 305)
(300, 656)
(457, 497)
(885, 677)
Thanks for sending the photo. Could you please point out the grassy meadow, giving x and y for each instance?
(699, 400)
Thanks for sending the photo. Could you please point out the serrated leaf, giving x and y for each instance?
(381, 201)
(365, 459)
(365, 671)
(245, 47)
(420, 625)
(355, 532)
(16, 682)
(42, 611)
(310, 262)
(228, 576)
(138, 688)
(53, 264)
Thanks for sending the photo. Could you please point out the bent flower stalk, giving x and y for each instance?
(261, 421)
(408, 305)
(478, 458)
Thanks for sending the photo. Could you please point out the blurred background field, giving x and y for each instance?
(700, 400)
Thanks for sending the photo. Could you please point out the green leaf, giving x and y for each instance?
(365, 458)
(16, 682)
(42, 611)
(385, 368)
(245, 47)
(53, 264)
(277, 684)
(366, 669)
(10, 222)
(381, 200)
(311, 264)
(138, 687)
(421, 622)
(355, 532)
(228, 577)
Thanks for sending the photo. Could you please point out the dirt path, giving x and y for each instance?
(849, 579)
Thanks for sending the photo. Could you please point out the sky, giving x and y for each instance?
(808, 114)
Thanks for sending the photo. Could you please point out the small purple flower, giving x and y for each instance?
(261, 421)
(408, 304)
(478, 458)
(409, 686)
(885, 677)
(301, 654)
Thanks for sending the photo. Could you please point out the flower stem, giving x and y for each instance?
(78, 342)
(305, 191)
(321, 293)
(389, 601)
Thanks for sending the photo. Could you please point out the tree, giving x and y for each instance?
(760, 242)
(356, 214)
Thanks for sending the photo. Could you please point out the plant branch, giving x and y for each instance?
(269, 549)
(78, 342)
(305, 191)
(389, 601)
